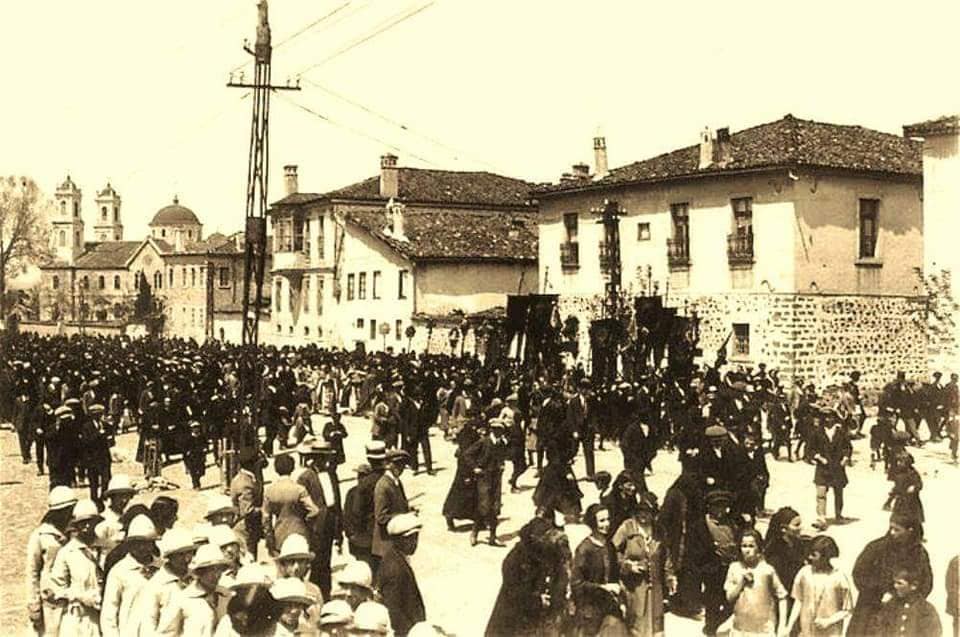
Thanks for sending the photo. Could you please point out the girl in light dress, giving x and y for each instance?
(821, 593)
(753, 588)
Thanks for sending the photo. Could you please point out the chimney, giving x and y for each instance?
(706, 148)
(290, 185)
(600, 156)
(389, 177)
(581, 172)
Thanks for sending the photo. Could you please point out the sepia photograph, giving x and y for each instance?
(439, 318)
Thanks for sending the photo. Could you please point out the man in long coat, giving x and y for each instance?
(319, 477)
(389, 500)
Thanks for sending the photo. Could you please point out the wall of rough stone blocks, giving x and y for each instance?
(820, 338)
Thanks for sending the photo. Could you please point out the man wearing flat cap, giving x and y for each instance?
(389, 500)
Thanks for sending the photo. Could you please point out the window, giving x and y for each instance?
(116, 282)
(158, 280)
(319, 237)
(76, 208)
(399, 329)
(306, 330)
(101, 282)
(360, 323)
(56, 282)
(643, 232)
(375, 291)
(190, 235)
(306, 294)
(571, 223)
(373, 329)
(63, 238)
(103, 213)
(320, 294)
(741, 339)
(869, 227)
(362, 286)
(680, 222)
(298, 234)
(277, 290)
(116, 214)
(350, 284)
(63, 208)
(163, 232)
(279, 328)
(77, 239)
(306, 237)
(743, 216)
(170, 276)
(290, 300)
(85, 283)
(193, 277)
(402, 284)
(224, 277)
(183, 276)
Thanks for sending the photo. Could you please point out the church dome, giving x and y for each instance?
(174, 214)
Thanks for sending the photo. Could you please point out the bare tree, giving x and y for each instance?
(23, 228)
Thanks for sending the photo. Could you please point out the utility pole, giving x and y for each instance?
(610, 220)
(257, 174)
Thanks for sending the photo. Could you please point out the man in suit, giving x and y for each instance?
(361, 509)
(319, 478)
(398, 584)
(389, 500)
(580, 420)
(287, 501)
(246, 492)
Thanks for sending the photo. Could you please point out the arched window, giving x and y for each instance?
(79, 239)
(103, 212)
(170, 276)
(76, 208)
(85, 282)
(158, 280)
(63, 238)
(63, 208)
(116, 213)
(190, 235)
(116, 281)
(193, 277)
(56, 282)
(101, 282)
(183, 276)
(163, 232)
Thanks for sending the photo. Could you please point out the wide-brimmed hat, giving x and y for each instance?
(295, 547)
(356, 573)
(252, 575)
(376, 450)
(63, 412)
(85, 511)
(208, 556)
(397, 455)
(119, 483)
(61, 497)
(716, 431)
(291, 589)
(219, 503)
(95, 410)
(372, 617)
(222, 535)
(336, 612)
(176, 541)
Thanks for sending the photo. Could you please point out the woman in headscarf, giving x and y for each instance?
(622, 500)
(785, 547)
(878, 564)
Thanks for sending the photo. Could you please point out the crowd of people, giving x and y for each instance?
(98, 565)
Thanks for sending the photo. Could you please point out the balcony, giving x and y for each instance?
(678, 253)
(290, 260)
(740, 249)
(570, 255)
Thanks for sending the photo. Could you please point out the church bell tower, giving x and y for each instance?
(108, 226)
(67, 231)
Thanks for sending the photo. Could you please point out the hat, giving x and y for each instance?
(119, 483)
(201, 533)
(397, 455)
(71, 402)
(404, 524)
(372, 617)
(362, 469)
(321, 447)
(423, 629)
(716, 431)
(176, 541)
(222, 535)
(496, 402)
(291, 589)
(252, 575)
(356, 574)
(219, 503)
(496, 423)
(95, 409)
(336, 612)
(295, 547)
(61, 497)
(195, 424)
(85, 510)
(719, 496)
(142, 528)
(63, 412)
(208, 556)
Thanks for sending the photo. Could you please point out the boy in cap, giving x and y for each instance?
(336, 616)
(177, 549)
(195, 454)
(356, 583)
(127, 578)
(76, 579)
(42, 547)
(293, 601)
(371, 618)
(723, 553)
(192, 611)
(119, 492)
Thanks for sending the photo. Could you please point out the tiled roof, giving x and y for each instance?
(946, 125)
(420, 185)
(457, 234)
(108, 255)
(787, 142)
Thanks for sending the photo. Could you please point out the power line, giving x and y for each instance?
(436, 142)
(357, 131)
(380, 29)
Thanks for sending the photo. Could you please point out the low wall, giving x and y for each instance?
(68, 328)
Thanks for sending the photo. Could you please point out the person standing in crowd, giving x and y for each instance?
(246, 492)
(821, 593)
(758, 597)
(722, 552)
(952, 586)
(486, 457)
(42, 547)
(126, 580)
(831, 450)
(907, 613)
(119, 493)
(683, 521)
(580, 419)
(319, 477)
(361, 513)
(287, 501)
(195, 453)
(96, 439)
(389, 500)
(352, 527)
(293, 602)
(75, 578)
(192, 611)
(876, 566)
(177, 550)
(398, 583)
(785, 548)
(294, 562)
(595, 578)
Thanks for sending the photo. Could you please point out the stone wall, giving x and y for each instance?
(820, 338)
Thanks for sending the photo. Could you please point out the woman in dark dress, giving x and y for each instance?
(622, 499)
(558, 490)
(878, 564)
(785, 547)
(461, 501)
(594, 581)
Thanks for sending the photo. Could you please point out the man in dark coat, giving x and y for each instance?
(96, 438)
(361, 509)
(389, 500)
(638, 448)
(398, 583)
(831, 450)
(319, 477)
(580, 420)
(485, 458)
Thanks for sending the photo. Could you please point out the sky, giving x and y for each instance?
(134, 92)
